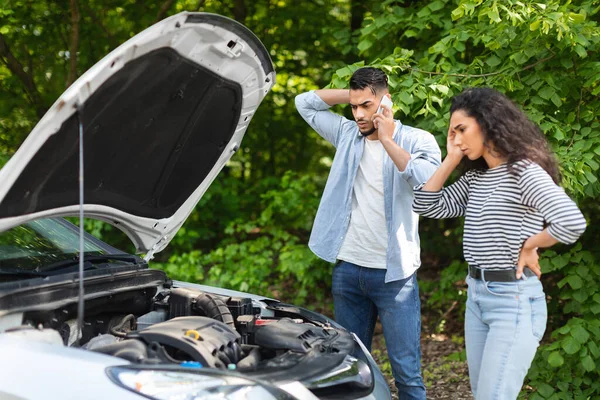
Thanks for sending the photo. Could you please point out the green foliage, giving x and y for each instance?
(446, 295)
(544, 56)
(267, 255)
(519, 48)
(572, 359)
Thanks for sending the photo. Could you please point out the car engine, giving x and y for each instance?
(187, 327)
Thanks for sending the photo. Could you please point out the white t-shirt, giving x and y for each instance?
(365, 243)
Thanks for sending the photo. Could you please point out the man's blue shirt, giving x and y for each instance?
(333, 216)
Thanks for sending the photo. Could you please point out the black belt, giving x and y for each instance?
(498, 275)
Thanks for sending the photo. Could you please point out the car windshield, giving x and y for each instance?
(32, 246)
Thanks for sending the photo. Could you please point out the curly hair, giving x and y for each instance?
(505, 126)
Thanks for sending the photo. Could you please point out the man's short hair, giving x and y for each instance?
(369, 77)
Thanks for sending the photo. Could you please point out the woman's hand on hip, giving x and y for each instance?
(529, 257)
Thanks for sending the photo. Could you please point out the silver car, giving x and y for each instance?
(158, 118)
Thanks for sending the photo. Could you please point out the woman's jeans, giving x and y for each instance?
(504, 324)
(359, 295)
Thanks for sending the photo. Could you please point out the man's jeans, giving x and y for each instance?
(359, 295)
(504, 324)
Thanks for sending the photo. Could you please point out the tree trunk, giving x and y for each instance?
(26, 77)
(239, 10)
(74, 43)
(164, 9)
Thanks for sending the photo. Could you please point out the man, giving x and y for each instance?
(365, 220)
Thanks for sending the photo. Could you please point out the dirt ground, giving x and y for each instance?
(444, 370)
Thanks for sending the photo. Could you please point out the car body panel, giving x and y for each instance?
(160, 117)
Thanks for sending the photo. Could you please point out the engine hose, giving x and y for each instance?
(117, 329)
(251, 360)
(224, 359)
(214, 307)
(238, 351)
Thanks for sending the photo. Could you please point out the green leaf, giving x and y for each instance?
(570, 345)
(555, 359)
(580, 50)
(407, 98)
(534, 25)
(493, 61)
(459, 46)
(364, 44)
(410, 33)
(545, 390)
(580, 334)
(494, 15)
(577, 18)
(593, 347)
(344, 72)
(556, 100)
(560, 261)
(546, 92)
(436, 5)
(583, 271)
(457, 13)
(575, 282)
(590, 177)
(593, 164)
(558, 134)
(588, 363)
(424, 12)
(440, 88)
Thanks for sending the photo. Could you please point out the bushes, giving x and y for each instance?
(543, 55)
(267, 254)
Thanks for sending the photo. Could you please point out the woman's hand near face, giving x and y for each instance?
(453, 150)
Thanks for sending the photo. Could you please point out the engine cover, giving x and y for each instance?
(201, 339)
(288, 335)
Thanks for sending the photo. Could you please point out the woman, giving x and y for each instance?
(512, 205)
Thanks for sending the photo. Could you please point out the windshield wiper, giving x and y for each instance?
(21, 273)
(91, 259)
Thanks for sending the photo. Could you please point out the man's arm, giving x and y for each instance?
(424, 162)
(314, 107)
(334, 96)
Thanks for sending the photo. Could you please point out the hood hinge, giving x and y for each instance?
(150, 254)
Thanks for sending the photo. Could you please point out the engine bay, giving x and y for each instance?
(193, 329)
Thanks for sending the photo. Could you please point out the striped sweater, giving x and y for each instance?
(502, 210)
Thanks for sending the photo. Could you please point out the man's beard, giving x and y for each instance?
(369, 132)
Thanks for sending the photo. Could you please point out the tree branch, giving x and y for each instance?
(481, 75)
(74, 45)
(97, 21)
(164, 9)
(239, 10)
(200, 4)
(26, 78)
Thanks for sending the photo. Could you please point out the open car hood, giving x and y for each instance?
(161, 115)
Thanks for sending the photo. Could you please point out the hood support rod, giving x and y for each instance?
(80, 302)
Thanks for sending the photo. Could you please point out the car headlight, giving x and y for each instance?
(177, 384)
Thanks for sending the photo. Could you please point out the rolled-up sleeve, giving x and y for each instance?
(316, 113)
(425, 159)
(565, 221)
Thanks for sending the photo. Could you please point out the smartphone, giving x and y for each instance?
(385, 100)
